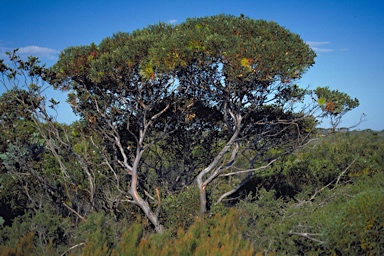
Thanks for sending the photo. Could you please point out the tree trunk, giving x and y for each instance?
(153, 218)
(203, 196)
(199, 179)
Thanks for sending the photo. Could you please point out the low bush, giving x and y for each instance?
(359, 225)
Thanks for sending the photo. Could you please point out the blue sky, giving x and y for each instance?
(348, 36)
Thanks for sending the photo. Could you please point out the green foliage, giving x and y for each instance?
(322, 161)
(217, 236)
(24, 246)
(342, 218)
(335, 102)
(100, 233)
(331, 223)
(358, 225)
(173, 79)
(181, 209)
(97, 234)
(334, 197)
(259, 215)
(46, 232)
(129, 244)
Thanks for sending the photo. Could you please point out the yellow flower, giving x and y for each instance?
(245, 63)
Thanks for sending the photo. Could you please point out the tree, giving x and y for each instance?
(174, 102)
(116, 93)
(153, 83)
(37, 152)
(335, 105)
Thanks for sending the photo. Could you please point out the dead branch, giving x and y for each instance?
(307, 235)
(329, 184)
(72, 210)
(251, 170)
(73, 247)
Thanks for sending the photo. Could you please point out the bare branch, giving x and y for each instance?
(226, 194)
(307, 235)
(72, 210)
(148, 195)
(71, 248)
(251, 170)
(329, 184)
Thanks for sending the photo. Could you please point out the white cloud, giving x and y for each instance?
(319, 46)
(41, 52)
(312, 43)
(3, 50)
(173, 21)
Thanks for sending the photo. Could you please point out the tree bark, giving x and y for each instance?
(203, 196)
(153, 218)
(199, 179)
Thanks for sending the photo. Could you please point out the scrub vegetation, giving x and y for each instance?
(192, 139)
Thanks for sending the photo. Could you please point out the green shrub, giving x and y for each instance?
(100, 232)
(268, 220)
(49, 231)
(322, 161)
(359, 225)
(181, 209)
(220, 235)
(24, 246)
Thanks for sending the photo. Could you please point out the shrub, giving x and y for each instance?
(180, 210)
(359, 226)
(42, 231)
(220, 235)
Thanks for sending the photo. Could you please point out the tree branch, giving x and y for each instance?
(329, 184)
(306, 235)
(73, 247)
(72, 210)
(250, 170)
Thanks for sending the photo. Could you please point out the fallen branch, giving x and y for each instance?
(73, 247)
(307, 235)
(244, 181)
(249, 176)
(250, 170)
(329, 184)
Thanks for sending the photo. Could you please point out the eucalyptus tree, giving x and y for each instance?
(243, 72)
(45, 157)
(115, 90)
(189, 100)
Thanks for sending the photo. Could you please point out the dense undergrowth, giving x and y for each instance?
(326, 199)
